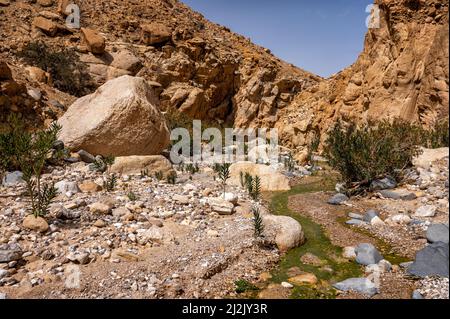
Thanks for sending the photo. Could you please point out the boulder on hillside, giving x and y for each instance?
(45, 25)
(285, 231)
(136, 164)
(94, 42)
(155, 33)
(271, 180)
(121, 118)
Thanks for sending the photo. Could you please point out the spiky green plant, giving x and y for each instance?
(159, 175)
(172, 178)
(29, 152)
(248, 179)
(241, 179)
(144, 172)
(258, 225)
(256, 189)
(110, 182)
(224, 175)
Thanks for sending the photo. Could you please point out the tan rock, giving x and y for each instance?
(35, 223)
(121, 118)
(62, 6)
(47, 26)
(37, 74)
(99, 223)
(271, 180)
(94, 42)
(89, 187)
(45, 3)
(155, 33)
(100, 208)
(136, 164)
(5, 3)
(284, 231)
(308, 279)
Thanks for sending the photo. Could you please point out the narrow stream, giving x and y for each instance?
(333, 267)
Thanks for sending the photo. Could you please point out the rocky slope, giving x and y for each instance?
(203, 69)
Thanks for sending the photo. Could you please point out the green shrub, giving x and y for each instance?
(258, 225)
(172, 178)
(132, 196)
(110, 183)
(362, 154)
(159, 175)
(224, 175)
(243, 286)
(29, 153)
(69, 74)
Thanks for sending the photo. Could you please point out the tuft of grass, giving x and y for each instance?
(172, 178)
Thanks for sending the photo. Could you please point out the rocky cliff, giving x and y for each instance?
(206, 71)
(402, 72)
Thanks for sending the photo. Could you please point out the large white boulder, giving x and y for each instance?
(284, 231)
(121, 118)
(271, 180)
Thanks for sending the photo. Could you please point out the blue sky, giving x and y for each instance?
(320, 36)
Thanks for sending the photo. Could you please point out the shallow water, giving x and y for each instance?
(317, 243)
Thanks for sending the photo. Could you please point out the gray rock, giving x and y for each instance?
(35, 94)
(370, 214)
(385, 183)
(57, 104)
(367, 254)
(2, 296)
(406, 265)
(355, 222)
(64, 187)
(355, 216)
(3, 273)
(426, 211)
(438, 232)
(58, 145)
(338, 199)
(10, 252)
(416, 295)
(361, 285)
(12, 178)
(430, 261)
(398, 195)
(86, 157)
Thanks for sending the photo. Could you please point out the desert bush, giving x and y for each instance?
(29, 152)
(69, 74)
(362, 154)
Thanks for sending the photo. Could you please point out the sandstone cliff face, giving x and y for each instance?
(402, 72)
